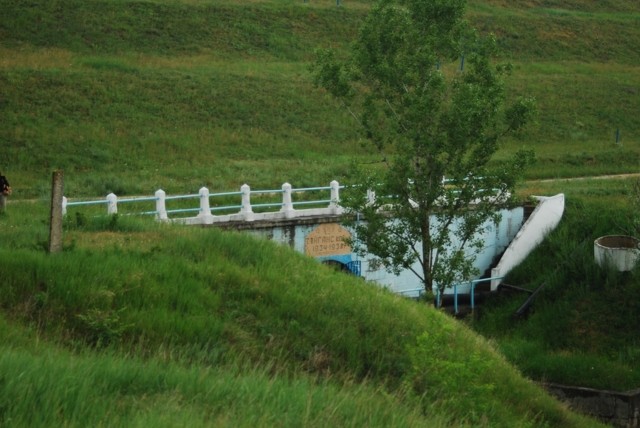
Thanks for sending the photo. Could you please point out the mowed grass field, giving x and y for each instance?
(129, 97)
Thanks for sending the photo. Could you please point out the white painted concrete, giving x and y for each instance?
(496, 237)
(620, 252)
(545, 218)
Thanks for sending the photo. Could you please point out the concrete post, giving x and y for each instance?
(371, 197)
(55, 224)
(246, 210)
(335, 196)
(205, 208)
(287, 204)
(112, 204)
(161, 205)
(64, 205)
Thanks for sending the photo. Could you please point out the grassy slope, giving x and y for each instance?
(583, 326)
(170, 325)
(129, 97)
(577, 58)
(134, 96)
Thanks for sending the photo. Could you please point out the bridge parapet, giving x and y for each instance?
(269, 207)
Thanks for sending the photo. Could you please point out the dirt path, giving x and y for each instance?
(593, 177)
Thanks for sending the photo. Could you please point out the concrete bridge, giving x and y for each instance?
(323, 238)
(311, 224)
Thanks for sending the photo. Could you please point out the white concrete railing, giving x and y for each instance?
(287, 207)
(205, 212)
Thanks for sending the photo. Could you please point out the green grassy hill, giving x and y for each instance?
(582, 328)
(130, 96)
(135, 324)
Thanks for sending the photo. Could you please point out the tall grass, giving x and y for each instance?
(218, 302)
(55, 388)
(583, 326)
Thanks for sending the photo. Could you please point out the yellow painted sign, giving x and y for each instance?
(327, 239)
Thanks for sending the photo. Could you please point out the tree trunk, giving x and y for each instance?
(427, 259)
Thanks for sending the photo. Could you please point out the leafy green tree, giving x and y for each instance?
(427, 94)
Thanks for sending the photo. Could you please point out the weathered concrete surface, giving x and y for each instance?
(544, 218)
(323, 237)
(55, 223)
(621, 409)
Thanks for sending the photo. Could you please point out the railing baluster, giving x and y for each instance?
(112, 204)
(335, 196)
(473, 286)
(246, 210)
(287, 204)
(205, 208)
(161, 207)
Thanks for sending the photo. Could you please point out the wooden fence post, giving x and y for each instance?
(55, 223)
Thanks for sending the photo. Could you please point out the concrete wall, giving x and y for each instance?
(620, 409)
(544, 219)
(496, 237)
